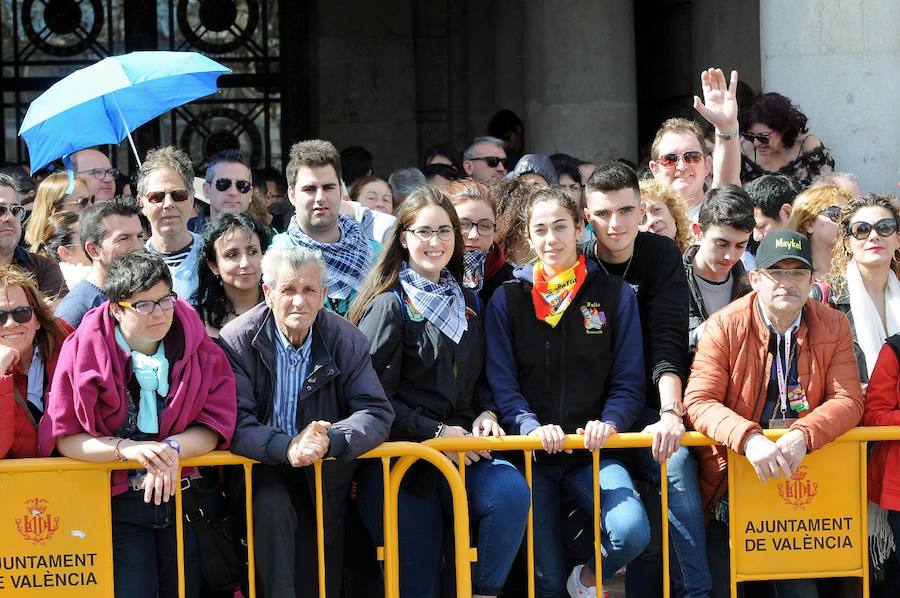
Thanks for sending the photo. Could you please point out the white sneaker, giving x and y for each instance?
(575, 588)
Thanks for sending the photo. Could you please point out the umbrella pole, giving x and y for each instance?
(127, 131)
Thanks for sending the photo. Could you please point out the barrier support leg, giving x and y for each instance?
(664, 505)
(320, 528)
(179, 537)
(598, 538)
(251, 547)
(529, 531)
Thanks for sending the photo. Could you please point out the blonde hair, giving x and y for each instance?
(47, 201)
(810, 203)
(841, 254)
(653, 189)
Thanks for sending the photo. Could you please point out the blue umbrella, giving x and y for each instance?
(104, 102)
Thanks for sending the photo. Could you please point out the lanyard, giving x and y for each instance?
(780, 369)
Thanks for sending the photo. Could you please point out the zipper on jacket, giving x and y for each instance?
(547, 364)
(562, 377)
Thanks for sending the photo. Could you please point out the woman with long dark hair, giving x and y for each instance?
(428, 347)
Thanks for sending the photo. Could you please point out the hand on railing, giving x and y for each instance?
(667, 433)
(793, 447)
(161, 462)
(486, 424)
(596, 433)
(310, 445)
(552, 438)
(460, 432)
(766, 458)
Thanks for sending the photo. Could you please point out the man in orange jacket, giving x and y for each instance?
(787, 363)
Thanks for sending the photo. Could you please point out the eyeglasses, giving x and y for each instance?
(795, 275)
(485, 227)
(833, 213)
(145, 308)
(491, 161)
(225, 184)
(178, 195)
(763, 138)
(18, 212)
(671, 160)
(101, 173)
(81, 201)
(20, 315)
(424, 234)
(861, 230)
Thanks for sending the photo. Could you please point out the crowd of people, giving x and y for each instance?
(732, 283)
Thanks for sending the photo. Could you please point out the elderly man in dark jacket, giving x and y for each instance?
(306, 391)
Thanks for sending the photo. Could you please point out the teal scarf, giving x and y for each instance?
(152, 374)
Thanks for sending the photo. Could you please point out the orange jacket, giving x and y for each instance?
(727, 387)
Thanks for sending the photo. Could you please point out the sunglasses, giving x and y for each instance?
(178, 195)
(81, 201)
(671, 160)
(225, 185)
(165, 303)
(833, 213)
(763, 138)
(861, 230)
(101, 173)
(20, 315)
(18, 212)
(491, 161)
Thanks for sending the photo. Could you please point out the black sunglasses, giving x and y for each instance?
(491, 161)
(763, 138)
(861, 230)
(19, 315)
(225, 185)
(178, 195)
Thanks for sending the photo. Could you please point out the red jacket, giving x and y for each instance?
(882, 408)
(18, 438)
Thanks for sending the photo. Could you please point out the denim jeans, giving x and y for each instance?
(893, 518)
(498, 503)
(625, 529)
(144, 550)
(688, 567)
(720, 568)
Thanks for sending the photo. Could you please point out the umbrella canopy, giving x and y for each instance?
(104, 102)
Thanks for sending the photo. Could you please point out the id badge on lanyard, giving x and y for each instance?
(794, 395)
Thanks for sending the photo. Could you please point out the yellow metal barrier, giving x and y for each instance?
(407, 453)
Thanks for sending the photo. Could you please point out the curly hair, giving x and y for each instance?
(51, 332)
(210, 299)
(513, 197)
(811, 202)
(841, 255)
(659, 191)
(776, 112)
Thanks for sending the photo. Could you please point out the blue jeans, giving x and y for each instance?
(498, 503)
(144, 551)
(626, 530)
(720, 568)
(688, 567)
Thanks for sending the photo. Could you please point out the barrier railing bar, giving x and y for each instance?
(320, 528)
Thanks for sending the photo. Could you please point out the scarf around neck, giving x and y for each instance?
(441, 303)
(347, 260)
(870, 334)
(152, 374)
(473, 273)
(551, 296)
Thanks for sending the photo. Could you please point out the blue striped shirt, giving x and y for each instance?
(291, 368)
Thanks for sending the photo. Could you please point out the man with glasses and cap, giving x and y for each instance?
(228, 187)
(98, 173)
(772, 359)
(166, 196)
(485, 159)
(46, 271)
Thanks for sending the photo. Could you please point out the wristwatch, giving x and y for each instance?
(174, 444)
(676, 407)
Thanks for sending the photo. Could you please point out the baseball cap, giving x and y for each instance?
(783, 245)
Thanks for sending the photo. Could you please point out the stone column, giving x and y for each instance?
(839, 61)
(579, 70)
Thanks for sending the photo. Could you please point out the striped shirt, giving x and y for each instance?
(291, 369)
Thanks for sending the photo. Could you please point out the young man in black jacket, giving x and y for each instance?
(652, 265)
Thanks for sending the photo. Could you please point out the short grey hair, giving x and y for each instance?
(169, 157)
(406, 180)
(828, 179)
(294, 258)
(469, 152)
(8, 181)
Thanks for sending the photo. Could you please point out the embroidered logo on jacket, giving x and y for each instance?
(594, 318)
(411, 311)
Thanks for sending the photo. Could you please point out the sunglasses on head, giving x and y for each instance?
(178, 195)
(671, 160)
(861, 230)
(82, 201)
(20, 315)
(225, 185)
(491, 161)
(833, 213)
(763, 138)
(18, 212)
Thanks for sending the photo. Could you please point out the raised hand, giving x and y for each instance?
(719, 105)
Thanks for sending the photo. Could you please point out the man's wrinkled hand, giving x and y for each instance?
(310, 445)
(667, 433)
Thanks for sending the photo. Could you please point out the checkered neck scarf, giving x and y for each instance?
(348, 260)
(473, 275)
(442, 304)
